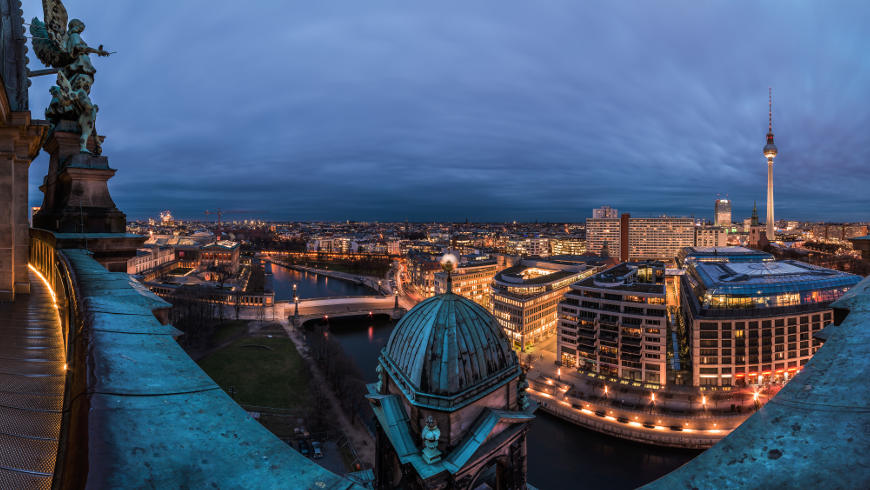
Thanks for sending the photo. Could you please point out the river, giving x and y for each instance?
(560, 454)
(309, 285)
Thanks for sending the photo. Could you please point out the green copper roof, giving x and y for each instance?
(448, 347)
(394, 421)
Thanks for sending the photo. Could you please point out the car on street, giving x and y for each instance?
(318, 451)
(304, 448)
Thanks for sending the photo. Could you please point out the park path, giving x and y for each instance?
(359, 437)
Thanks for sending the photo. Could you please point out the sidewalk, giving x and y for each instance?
(362, 441)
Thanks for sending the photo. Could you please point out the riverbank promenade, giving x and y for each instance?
(31, 388)
(676, 416)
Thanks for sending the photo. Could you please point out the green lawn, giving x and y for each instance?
(268, 378)
(227, 330)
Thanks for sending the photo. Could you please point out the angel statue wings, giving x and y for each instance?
(62, 47)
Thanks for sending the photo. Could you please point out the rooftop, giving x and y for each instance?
(630, 276)
(764, 278)
(723, 254)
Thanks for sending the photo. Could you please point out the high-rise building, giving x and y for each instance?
(770, 153)
(601, 234)
(615, 323)
(630, 238)
(605, 212)
(722, 212)
(659, 238)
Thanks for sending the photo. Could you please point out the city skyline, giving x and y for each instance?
(385, 112)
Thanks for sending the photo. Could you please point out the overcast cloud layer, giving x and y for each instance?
(491, 110)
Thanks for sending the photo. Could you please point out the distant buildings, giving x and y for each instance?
(757, 238)
(420, 268)
(862, 244)
(722, 213)
(471, 280)
(567, 246)
(149, 258)
(530, 246)
(711, 236)
(838, 231)
(615, 323)
(751, 322)
(525, 296)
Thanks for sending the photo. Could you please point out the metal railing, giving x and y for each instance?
(55, 268)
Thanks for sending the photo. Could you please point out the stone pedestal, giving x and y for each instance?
(76, 190)
(77, 207)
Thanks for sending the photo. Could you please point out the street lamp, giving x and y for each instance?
(396, 295)
(296, 311)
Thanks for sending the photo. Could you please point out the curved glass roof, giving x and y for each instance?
(766, 278)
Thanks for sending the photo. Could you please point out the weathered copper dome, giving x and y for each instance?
(449, 347)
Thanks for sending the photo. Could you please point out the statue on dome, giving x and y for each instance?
(380, 370)
(522, 395)
(430, 435)
(64, 49)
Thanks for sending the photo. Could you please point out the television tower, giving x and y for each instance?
(769, 153)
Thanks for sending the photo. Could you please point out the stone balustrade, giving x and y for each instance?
(138, 411)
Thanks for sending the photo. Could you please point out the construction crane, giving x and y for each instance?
(220, 214)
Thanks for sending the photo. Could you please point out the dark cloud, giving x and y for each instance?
(491, 110)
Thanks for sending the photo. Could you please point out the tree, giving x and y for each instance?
(237, 301)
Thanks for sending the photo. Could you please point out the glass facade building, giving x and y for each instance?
(752, 322)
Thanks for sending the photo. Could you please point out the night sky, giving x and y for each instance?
(487, 110)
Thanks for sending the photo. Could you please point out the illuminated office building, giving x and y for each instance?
(525, 297)
(472, 280)
(567, 246)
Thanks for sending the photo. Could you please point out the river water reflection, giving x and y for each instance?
(309, 285)
(561, 455)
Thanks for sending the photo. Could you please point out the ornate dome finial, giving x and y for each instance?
(448, 264)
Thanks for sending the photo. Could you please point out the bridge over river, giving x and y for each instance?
(316, 308)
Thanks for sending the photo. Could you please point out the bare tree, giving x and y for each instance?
(237, 301)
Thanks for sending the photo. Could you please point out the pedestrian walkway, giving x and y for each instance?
(31, 388)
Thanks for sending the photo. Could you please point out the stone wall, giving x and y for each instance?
(19, 144)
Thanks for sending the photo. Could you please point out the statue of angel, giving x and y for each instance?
(64, 49)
